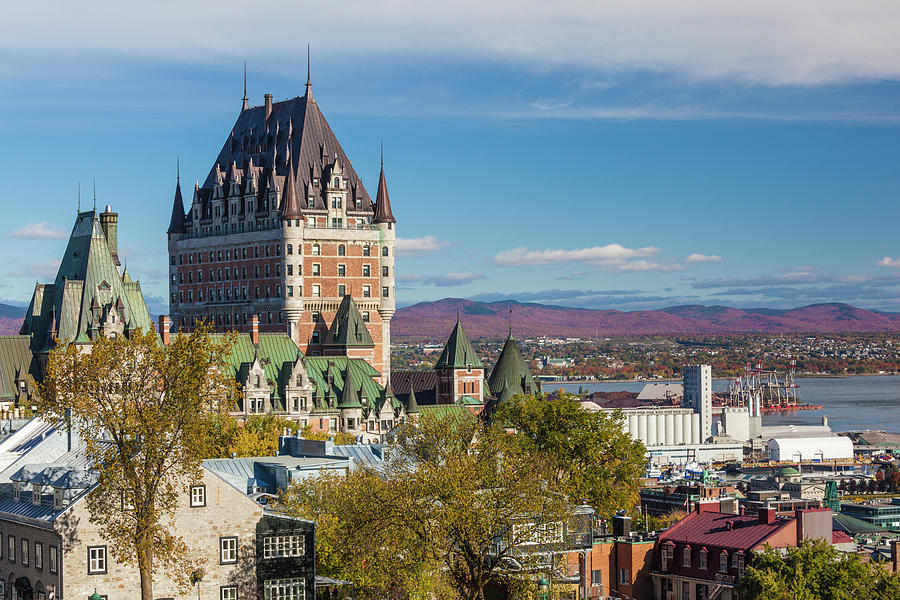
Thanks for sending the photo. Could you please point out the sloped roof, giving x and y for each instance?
(511, 370)
(711, 529)
(87, 272)
(854, 526)
(444, 410)
(368, 391)
(295, 131)
(423, 382)
(16, 361)
(176, 222)
(277, 354)
(458, 352)
(348, 328)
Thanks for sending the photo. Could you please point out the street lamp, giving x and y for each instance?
(544, 588)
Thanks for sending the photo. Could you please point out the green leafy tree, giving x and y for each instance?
(145, 410)
(594, 459)
(446, 517)
(816, 571)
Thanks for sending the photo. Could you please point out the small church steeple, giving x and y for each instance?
(176, 223)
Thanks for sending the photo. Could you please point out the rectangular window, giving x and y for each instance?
(285, 589)
(384, 292)
(315, 336)
(198, 496)
(317, 291)
(596, 577)
(278, 546)
(54, 555)
(96, 560)
(384, 271)
(290, 270)
(317, 269)
(228, 592)
(342, 270)
(367, 291)
(11, 548)
(367, 271)
(290, 291)
(228, 550)
(25, 552)
(342, 290)
(624, 576)
(702, 559)
(38, 556)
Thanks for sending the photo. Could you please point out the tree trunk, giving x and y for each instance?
(145, 567)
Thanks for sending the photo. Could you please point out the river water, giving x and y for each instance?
(850, 403)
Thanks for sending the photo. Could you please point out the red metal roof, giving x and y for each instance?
(839, 537)
(712, 529)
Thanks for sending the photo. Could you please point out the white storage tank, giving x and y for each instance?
(678, 422)
(670, 429)
(642, 428)
(651, 430)
(695, 428)
(633, 426)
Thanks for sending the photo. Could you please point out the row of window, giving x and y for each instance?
(737, 560)
(274, 250)
(226, 275)
(25, 555)
(226, 319)
(236, 293)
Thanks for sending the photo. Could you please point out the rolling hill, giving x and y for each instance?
(433, 320)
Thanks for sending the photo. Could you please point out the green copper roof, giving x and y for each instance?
(276, 352)
(412, 405)
(365, 388)
(511, 371)
(458, 352)
(349, 398)
(348, 327)
(444, 410)
(16, 363)
(88, 288)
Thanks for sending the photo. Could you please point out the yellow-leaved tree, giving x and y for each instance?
(144, 410)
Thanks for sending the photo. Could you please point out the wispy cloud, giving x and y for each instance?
(39, 231)
(699, 39)
(453, 279)
(41, 270)
(888, 261)
(612, 258)
(423, 245)
(703, 258)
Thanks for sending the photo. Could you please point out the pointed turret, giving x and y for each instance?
(290, 197)
(511, 375)
(349, 395)
(176, 223)
(383, 212)
(458, 351)
(412, 405)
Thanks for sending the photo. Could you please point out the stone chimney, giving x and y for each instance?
(254, 329)
(268, 105)
(165, 325)
(109, 221)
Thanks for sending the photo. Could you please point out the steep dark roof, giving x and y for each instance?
(511, 371)
(383, 212)
(348, 327)
(458, 353)
(423, 383)
(295, 131)
(712, 529)
(176, 223)
(412, 405)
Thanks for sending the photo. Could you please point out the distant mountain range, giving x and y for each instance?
(434, 320)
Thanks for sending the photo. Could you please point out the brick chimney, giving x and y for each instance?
(254, 329)
(767, 515)
(268, 105)
(109, 221)
(165, 324)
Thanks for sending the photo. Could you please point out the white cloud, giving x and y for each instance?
(42, 270)
(887, 261)
(422, 245)
(611, 256)
(805, 41)
(454, 279)
(702, 258)
(39, 231)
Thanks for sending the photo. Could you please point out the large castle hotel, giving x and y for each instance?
(283, 229)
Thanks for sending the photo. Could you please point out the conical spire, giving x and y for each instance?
(246, 99)
(412, 406)
(383, 212)
(176, 223)
(349, 395)
(511, 373)
(290, 196)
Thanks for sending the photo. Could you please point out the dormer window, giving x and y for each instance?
(36, 494)
(57, 499)
(337, 182)
(16, 489)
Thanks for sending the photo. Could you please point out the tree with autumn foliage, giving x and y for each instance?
(145, 411)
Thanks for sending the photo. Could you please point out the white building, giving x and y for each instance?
(698, 395)
(810, 448)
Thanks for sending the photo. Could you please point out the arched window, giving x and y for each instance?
(337, 182)
(342, 250)
(290, 249)
(723, 562)
(384, 251)
(686, 557)
(316, 250)
(366, 251)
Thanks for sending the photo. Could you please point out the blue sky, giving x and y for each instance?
(623, 155)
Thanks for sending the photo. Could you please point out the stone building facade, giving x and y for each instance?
(283, 228)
